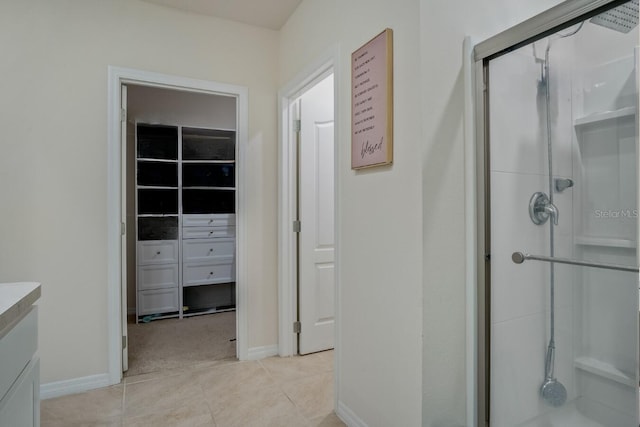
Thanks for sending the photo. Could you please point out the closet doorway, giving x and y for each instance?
(180, 186)
(175, 181)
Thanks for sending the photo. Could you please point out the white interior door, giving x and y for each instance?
(316, 286)
(123, 222)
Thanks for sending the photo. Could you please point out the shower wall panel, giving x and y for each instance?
(520, 293)
(605, 165)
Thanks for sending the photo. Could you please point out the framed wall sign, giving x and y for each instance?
(372, 102)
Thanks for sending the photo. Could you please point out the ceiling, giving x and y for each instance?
(262, 13)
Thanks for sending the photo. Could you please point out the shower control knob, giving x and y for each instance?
(541, 208)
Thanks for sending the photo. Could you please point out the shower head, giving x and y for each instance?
(553, 392)
(623, 18)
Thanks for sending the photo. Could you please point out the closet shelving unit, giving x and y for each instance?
(185, 206)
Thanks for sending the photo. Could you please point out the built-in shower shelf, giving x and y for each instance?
(605, 115)
(605, 242)
(605, 370)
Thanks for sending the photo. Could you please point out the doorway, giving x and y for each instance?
(179, 145)
(307, 249)
(117, 213)
(315, 229)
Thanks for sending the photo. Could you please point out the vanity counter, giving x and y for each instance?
(15, 300)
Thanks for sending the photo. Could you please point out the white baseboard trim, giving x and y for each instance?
(257, 353)
(72, 386)
(348, 416)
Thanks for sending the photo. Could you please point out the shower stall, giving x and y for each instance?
(557, 132)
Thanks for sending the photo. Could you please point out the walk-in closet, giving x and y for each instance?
(181, 208)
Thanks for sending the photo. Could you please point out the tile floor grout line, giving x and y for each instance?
(280, 385)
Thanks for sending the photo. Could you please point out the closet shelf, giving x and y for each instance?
(605, 115)
(605, 242)
(155, 187)
(605, 370)
(209, 162)
(191, 135)
(149, 159)
(201, 187)
(161, 215)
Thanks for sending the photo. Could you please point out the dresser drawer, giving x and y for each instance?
(201, 250)
(208, 220)
(157, 276)
(158, 301)
(207, 232)
(17, 348)
(157, 252)
(195, 274)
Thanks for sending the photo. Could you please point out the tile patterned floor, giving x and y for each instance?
(273, 392)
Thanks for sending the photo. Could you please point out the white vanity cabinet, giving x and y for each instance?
(19, 361)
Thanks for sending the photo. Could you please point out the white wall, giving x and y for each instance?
(53, 168)
(379, 213)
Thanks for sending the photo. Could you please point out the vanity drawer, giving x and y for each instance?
(195, 274)
(157, 252)
(157, 301)
(198, 250)
(17, 348)
(208, 232)
(157, 276)
(208, 220)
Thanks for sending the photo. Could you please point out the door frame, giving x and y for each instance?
(117, 77)
(287, 200)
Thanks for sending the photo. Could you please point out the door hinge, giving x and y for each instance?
(123, 229)
(297, 126)
(297, 327)
(124, 342)
(297, 226)
(123, 115)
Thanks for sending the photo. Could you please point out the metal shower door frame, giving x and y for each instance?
(552, 20)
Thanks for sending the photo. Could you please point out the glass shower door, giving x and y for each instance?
(563, 186)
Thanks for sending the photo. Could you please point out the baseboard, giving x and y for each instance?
(72, 386)
(256, 353)
(348, 416)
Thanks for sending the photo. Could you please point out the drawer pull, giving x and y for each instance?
(158, 253)
(211, 273)
(211, 250)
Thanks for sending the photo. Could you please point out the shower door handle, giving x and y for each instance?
(519, 258)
